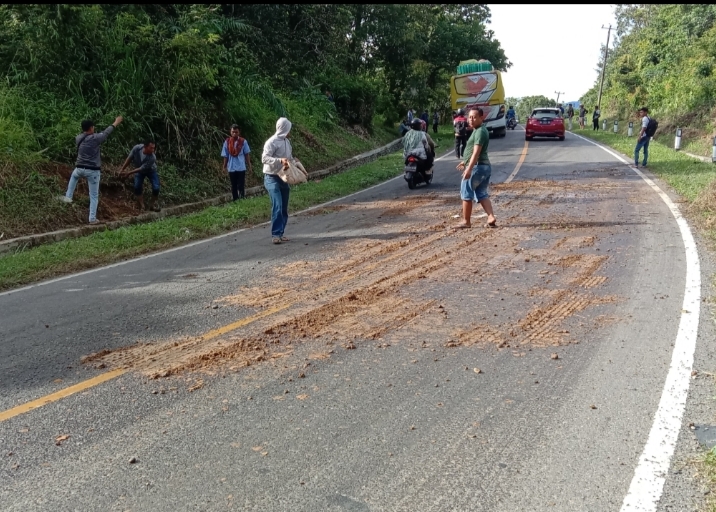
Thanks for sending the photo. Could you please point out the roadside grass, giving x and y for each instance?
(691, 178)
(106, 247)
(708, 469)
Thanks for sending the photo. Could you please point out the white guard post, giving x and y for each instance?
(630, 131)
(677, 140)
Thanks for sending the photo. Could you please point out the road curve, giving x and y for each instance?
(378, 361)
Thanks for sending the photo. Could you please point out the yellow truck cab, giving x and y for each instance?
(479, 84)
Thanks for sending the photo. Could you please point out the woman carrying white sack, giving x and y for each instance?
(276, 156)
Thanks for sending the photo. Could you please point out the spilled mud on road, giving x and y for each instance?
(519, 285)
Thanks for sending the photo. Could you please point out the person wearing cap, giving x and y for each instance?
(89, 163)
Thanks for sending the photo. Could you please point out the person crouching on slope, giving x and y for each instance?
(144, 163)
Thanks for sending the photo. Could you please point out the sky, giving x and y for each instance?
(551, 47)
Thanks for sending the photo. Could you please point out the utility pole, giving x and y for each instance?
(558, 94)
(604, 64)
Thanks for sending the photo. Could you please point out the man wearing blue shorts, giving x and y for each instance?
(144, 163)
(476, 171)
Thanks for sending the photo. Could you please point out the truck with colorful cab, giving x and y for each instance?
(479, 84)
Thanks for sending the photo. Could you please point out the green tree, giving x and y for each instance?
(525, 105)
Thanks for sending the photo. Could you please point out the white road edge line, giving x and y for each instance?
(647, 484)
(197, 242)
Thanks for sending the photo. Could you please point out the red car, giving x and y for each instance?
(545, 122)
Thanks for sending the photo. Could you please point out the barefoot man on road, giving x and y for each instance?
(476, 171)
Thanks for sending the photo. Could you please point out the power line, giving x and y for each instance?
(604, 64)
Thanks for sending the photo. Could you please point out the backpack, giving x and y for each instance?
(461, 128)
(651, 127)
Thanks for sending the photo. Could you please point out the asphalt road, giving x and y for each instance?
(376, 362)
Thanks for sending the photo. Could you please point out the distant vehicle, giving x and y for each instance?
(479, 84)
(545, 122)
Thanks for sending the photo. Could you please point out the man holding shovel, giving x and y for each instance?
(144, 161)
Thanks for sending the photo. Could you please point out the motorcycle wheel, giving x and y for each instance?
(411, 183)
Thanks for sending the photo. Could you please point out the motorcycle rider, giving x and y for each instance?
(462, 132)
(510, 114)
(418, 144)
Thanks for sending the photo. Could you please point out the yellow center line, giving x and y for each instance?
(104, 377)
(519, 163)
(220, 331)
(212, 334)
(58, 395)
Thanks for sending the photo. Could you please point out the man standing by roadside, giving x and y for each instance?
(436, 121)
(595, 118)
(570, 114)
(582, 116)
(425, 117)
(642, 141)
(476, 172)
(89, 164)
(461, 135)
(236, 158)
(144, 162)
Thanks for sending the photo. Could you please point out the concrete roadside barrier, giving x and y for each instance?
(25, 242)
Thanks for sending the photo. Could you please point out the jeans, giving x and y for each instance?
(238, 184)
(139, 182)
(92, 177)
(595, 122)
(476, 188)
(643, 143)
(460, 143)
(278, 191)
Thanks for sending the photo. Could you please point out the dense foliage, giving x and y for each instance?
(525, 105)
(663, 57)
(183, 72)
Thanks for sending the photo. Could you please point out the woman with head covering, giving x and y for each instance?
(277, 152)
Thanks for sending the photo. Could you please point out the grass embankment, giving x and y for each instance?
(29, 185)
(708, 470)
(110, 246)
(691, 178)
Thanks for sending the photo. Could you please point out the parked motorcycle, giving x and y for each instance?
(414, 174)
(511, 123)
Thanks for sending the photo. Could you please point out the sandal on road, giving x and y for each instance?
(285, 239)
(276, 240)
(492, 224)
(462, 225)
